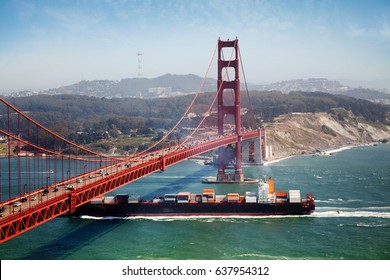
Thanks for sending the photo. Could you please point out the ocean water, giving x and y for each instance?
(351, 221)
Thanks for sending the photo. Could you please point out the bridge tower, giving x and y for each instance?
(229, 88)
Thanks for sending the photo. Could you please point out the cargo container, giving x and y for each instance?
(134, 199)
(183, 197)
(250, 197)
(281, 196)
(233, 197)
(121, 198)
(294, 196)
(208, 196)
(109, 199)
(170, 198)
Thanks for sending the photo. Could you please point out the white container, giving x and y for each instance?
(250, 199)
(109, 199)
(294, 196)
(134, 199)
(183, 197)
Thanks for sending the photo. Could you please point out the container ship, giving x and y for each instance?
(266, 201)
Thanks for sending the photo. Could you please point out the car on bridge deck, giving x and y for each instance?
(79, 180)
(2, 209)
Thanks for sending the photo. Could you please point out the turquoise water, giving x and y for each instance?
(352, 218)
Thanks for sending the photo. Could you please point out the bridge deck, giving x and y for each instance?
(52, 201)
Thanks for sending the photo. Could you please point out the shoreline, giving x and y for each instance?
(325, 153)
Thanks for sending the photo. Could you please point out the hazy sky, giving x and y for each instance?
(46, 44)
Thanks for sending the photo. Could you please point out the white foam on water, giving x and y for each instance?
(351, 214)
(337, 200)
(321, 212)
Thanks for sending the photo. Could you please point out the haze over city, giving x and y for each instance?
(46, 44)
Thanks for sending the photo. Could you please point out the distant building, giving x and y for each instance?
(160, 91)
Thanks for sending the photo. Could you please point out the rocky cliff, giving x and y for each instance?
(311, 133)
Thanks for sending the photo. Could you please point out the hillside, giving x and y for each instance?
(167, 85)
(328, 86)
(296, 122)
(312, 133)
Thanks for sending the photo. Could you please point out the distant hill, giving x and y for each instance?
(325, 85)
(308, 85)
(170, 85)
(164, 86)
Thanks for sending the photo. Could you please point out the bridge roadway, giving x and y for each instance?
(32, 209)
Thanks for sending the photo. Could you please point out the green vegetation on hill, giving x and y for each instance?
(87, 120)
(273, 103)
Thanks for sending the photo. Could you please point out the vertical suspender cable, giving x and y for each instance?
(9, 154)
(247, 91)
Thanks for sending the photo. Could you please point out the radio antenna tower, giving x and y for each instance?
(139, 54)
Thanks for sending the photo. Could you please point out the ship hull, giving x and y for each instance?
(194, 209)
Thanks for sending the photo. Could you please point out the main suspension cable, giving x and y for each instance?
(53, 133)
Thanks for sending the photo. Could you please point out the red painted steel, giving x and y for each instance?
(21, 222)
(24, 135)
(224, 108)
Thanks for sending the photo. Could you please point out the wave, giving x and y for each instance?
(370, 225)
(328, 213)
(351, 214)
(198, 161)
(338, 200)
(349, 209)
(331, 152)
(206, 219)
(276, 160)
(266, 257)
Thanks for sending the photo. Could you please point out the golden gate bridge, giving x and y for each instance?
(43, 175)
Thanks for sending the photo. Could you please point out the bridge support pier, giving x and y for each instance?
(254, 151)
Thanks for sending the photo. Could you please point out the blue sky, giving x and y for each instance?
(46, 44)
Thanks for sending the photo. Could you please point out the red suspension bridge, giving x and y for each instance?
(43, 175)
